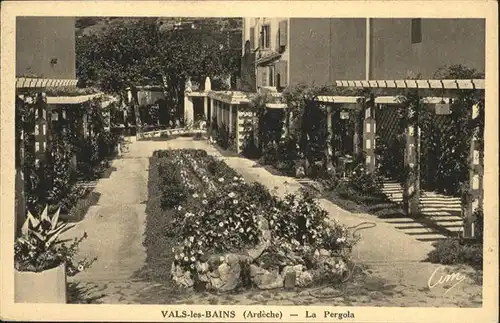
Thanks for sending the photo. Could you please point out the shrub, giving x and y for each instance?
(270, 155)
(364, 182)
(71, 199)
(224, 139)
(218, 168)
(172, 188)
(453, 251)
(250, 148)
(479, 225)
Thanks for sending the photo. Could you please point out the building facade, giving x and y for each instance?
(45, 47)
(265, 53)
(278, 52)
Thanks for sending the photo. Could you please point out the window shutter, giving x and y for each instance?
(264, 76)
(283, 32)
(252, 38)
(283, 70)
(272, 72)
(268, 37)
(416, 31)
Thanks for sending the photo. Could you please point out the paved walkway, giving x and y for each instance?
(444, 211)
(116, 225)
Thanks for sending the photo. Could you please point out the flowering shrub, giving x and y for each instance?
(221, 221)
(300, 225)
(39, 247)
(364, 182)
(172, 188)
(218, 213)
(60, 170)
(220, 169)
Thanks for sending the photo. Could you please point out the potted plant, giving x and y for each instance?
(42, 261)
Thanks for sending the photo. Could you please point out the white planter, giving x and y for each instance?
(48, 286)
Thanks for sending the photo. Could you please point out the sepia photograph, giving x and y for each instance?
(277, 163)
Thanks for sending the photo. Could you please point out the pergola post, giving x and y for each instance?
(219, 113)
(205, 107)
(369, 134)
(230, 118)
(41, 130)
(19, 179)
(411, 190)
(188, 109)
(329, 151)
(237, 129)
(85, 125)
(211, 113)
(475, 180)
(355, 138)
(286, 125)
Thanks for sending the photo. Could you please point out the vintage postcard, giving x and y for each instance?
(227, 161)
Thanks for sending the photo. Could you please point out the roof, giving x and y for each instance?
(71, 99)
(268, 57)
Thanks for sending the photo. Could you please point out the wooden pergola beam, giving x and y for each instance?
(71, 99)
(478, 84)
(29, 82)
(378, 99)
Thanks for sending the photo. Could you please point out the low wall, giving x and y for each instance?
(168, 132)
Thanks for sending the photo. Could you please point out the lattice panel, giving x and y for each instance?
(388, 127)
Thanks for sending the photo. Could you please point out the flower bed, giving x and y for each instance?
(229, 234)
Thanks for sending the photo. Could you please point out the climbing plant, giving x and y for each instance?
(307, 120)
(51, 180)
(444, 144)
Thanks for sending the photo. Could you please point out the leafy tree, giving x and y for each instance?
(142, 53)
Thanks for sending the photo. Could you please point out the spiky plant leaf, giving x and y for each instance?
(30, 220)
(45, 214)
(39, 235)
(55, 219)
(55, 233)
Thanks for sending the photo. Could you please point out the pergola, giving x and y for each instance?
(447, 90)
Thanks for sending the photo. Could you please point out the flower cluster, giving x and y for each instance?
(223, 220)
(201, 173)
(185, 176)
(297, 219)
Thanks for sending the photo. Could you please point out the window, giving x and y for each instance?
(282, 35)
(265, 37)
(416, 31)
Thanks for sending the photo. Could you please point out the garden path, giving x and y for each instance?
(396, 274)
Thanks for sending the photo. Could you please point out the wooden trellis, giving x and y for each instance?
(411, 193)
(45, 111)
